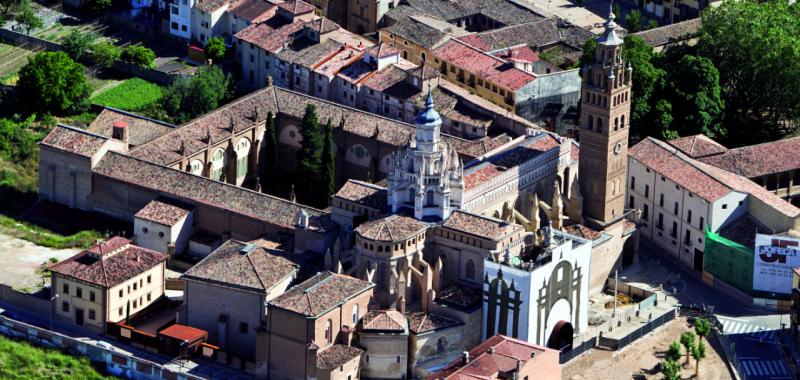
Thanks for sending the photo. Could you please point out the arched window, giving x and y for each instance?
(355, 314)
(599, 125)
(441, 345)
(196, 167)
(622, 121)
(329, 331)
(470, 270)
(616, 123)
(217, 164)
(411, 195)
(421, 58)
(242, 157)
(591, 123)
(429, 199)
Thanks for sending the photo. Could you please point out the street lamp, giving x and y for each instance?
(52, 310)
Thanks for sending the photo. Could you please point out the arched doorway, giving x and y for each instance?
(561, 337)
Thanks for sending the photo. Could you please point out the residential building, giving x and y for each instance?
(674, 11)
(311, 328)
(228, 294)
(163, 227)
(180, 18)
(106, 283)
(681, 198)
(502, 357)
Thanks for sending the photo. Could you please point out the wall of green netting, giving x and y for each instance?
(729, 261)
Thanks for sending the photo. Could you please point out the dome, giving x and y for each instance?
(428, 115)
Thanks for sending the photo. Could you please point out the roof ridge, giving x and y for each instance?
(79, 130)
(131, 114)
(690, 161)
(255, 270)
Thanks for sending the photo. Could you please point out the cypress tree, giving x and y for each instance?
(269, 155)
(309, 157)
(328, 166)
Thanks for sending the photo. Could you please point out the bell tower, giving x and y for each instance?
(605, 118)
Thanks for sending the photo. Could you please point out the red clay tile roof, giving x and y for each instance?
(678, 31)
(481, 226)
(297, 7)
(498, 354)
(140, 129)
(512, 157)
(74, 140)
(253, 10)
(189, 187)
(382, 50)
(519, 54)
(391, 228)
(761, 159)
(679, 168)
(270, 35)
(340, 59)
(697, 146)
(384, 320)
(421, 322)
(321, 293)
(336, 355)
(109, 263)
(243, 266)
(210, 5)
(363, 193)
(184, 333)
(460, 296)
(582, 231)
(162, 213)
(535, 34)
(484, 65)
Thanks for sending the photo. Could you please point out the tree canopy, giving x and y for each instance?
(53, 82)
(105, 53)
(328, 165)
(754, 45)
(28, 19)
(138, 55)
(196, 95)
(76, 44)
(215, 49)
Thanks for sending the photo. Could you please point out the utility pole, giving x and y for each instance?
(616, 279)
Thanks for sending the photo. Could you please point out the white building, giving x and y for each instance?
(427, 174)
(680, 197)
(180, 18)
(541, 295)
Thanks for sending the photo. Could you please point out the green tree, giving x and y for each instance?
(28, 19)
(196, 95)
(652, 24)
(269, 154)
(699, 353)
(53, 82)
(661, 116)
(76, 44)
(215, 49)
(760, 81)
(17, 141)
(105, 53)
(702, 327)
(589, 51)
(617, 11)
(647, 79)
(633, 21)
(688, 342)
(697, 97)
(309, 156)
(328, 166)
(7, 4)
(138, 55)
(671, 370)
(97, 6)
(674, 351)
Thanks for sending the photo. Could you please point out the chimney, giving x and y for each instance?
(170, 249)
(120, 131)
(465, 355)
(269, 80)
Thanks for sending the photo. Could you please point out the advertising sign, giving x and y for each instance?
(775, 256)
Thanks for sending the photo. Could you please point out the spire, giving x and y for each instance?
(609, 36)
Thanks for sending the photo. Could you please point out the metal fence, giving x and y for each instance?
(620, 343)
(577, 350)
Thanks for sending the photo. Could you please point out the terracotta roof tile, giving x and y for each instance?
(516, 155)
(336, 355)
(320, 293)
(74, 140)
(582, 231)
(210, 5)
(460, 296)
(498, 354)
(140, 129)
(484, 65)
(698, 146)
(535, 34)
(363, 193)
(678, 31)
(162, 213)
(297, 7)
(184, 333)
(109, 263)
(391, 228)
(761, 159)
(421, 322)
(382, 50)
(253, 10)
(189, 187)
(243, 266)
(384, 320)
(478, 225)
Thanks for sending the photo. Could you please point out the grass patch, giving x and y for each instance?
(131, 95)
(21, 360)
(47, 238)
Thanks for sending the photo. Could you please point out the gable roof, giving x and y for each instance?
(536, 34)
(424, 31)
(190, 187)
(252, 10)
(384, 320)
(479, 225)
(678, 31)
(162, 213)
(74, 140)
(140, 129)
(420, 322)
(109, 263)
(760, 159)
(363, 193)
(391, 228)
(321, 293)
(243, 266)
(697, 146)
(496, 355)
(336, 355)
(484, 65)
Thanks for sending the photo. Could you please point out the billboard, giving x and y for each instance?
(775, 256)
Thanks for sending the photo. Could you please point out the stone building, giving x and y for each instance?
(106, 283)
(384, 336)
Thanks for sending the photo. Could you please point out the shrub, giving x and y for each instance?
(138, 55)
